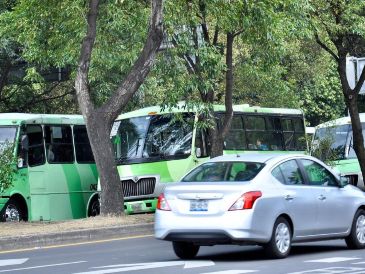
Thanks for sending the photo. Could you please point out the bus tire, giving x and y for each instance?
(13, 211)
(94, 207)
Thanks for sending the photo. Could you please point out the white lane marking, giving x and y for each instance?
(231, 272)
(333, 260)
(194, 264)
(41, 266)
(332, 270)
(13, 261)
(141, 266)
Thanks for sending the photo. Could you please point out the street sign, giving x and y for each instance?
(354, 67)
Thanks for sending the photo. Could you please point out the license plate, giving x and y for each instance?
(199, 205)
(137, 207)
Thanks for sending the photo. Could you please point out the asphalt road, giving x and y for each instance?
(147, 255)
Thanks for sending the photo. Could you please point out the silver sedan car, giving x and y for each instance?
(262, 199)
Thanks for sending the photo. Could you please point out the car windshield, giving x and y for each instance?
(224, 172)
(7, 137)
(152, 138)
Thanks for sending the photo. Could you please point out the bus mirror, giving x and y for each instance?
(20, 163)
(198, 152)
(24, 143)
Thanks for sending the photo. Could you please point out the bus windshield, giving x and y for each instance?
(150, 138)
(7, 134)
(335, 136)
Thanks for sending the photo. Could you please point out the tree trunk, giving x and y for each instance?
(112, 202)
(99, 121)
(351, 101)
(358, 138)
(217, 137)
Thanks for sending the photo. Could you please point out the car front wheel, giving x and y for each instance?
(356, 239)
(185, 250)
(280, 243)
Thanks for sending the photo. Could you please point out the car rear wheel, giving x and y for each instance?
(280, 243)
(356, 239)
(185, 250)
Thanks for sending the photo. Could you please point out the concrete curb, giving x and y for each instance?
(78, 236)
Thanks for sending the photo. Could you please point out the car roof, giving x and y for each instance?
(255, 157)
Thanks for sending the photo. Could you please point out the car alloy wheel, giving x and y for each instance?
(360, 229)
(282, 237)
(280, 243)
(356, 238)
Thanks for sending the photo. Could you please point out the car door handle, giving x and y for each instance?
(321, 197)
(289, 197)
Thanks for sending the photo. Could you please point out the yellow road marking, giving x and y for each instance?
(75, 244)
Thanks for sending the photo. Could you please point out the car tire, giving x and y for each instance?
(356, 239)
(280, 243)
(185, 250)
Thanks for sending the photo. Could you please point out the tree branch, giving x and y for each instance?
(82, 81)
(216, 33)
(324, 46)
(141, 67)
(202, 9)
(229, 85)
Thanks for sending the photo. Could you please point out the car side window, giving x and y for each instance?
(317, 174)
(288, 173)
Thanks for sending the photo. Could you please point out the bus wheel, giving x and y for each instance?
(12, 212)
(94, 208)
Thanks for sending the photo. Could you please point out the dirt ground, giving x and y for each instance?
(33, 228)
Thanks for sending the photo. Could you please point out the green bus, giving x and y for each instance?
(334, 138)
(152, 147)
(55, 176)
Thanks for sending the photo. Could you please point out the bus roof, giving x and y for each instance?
(7, 119)
(153, 110)
(340, 121)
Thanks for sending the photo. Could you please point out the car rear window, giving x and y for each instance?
(224, 171)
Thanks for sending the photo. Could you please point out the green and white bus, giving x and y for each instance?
(335, 137)
(56, 176)
(153, 148)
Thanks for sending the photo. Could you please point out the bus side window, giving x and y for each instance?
(83, 150)
(59, 144)
(36, 155)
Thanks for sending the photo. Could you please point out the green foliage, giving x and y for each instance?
(7, 165)
(50, 34)
(323, 150)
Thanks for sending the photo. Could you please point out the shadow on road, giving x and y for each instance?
(256, 253)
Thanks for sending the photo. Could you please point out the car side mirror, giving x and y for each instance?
(344, 181)
(198, 152)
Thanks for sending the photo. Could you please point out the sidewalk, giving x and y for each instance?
(40, 234)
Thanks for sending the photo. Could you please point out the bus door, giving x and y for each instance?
(40, 209)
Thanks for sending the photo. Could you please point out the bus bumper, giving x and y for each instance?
(141, 206)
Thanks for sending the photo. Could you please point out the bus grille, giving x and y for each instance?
(144, 186)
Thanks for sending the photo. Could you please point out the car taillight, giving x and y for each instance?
(162, 203)
(246, 201)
